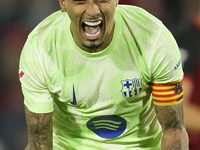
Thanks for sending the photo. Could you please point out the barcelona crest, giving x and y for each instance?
(178, 89)
(131, 87)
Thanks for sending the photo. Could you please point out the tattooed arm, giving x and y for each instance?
(39, 128)
(174, 134)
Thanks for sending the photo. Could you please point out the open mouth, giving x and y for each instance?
(92, 29)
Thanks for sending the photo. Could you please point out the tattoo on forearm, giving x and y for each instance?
(169, 117)
(39, 131)
(176, 146)
(174, 134)
(174, 122)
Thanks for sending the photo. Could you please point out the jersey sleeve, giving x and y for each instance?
(167, 71)
(37, 97)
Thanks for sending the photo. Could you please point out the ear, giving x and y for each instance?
(62, 4)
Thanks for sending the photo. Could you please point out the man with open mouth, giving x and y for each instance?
(101, 76)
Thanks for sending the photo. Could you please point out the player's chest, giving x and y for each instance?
(87, 85)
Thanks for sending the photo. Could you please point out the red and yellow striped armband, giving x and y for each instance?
(167, 94)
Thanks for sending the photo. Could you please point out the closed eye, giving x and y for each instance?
(103, 1)
(79, 1)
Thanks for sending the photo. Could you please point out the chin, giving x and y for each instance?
(92, 45)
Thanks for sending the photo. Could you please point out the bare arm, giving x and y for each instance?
(174, 134)
(39, 128)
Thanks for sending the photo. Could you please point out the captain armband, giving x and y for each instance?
(167, 94)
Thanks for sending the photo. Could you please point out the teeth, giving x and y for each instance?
(92, 23)
(93, 35)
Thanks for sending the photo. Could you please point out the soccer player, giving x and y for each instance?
(101, 76)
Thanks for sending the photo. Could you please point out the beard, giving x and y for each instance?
(92, 46)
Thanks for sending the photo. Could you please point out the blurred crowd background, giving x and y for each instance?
(19, 17)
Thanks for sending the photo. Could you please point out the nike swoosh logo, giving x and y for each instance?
(74, 97)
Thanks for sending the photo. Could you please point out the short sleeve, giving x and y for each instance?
(167, 71)
(37, 97)
(166, 66)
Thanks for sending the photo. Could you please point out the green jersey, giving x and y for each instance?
(103, 100)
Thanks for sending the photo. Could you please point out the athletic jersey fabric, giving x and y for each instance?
(103, 100)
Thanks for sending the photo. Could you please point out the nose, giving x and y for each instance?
(92, 9)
